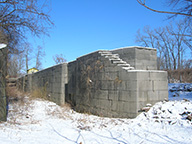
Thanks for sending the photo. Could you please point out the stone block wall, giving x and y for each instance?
(3, 74)
(52, 79)
(140, 58)
(102, 83)
(115, 83)
(71, 86)
(152, 86)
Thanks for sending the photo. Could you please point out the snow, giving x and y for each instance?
(2, 46)
(39, 121)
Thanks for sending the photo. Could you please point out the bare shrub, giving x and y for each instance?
(182, 76)
(40, 92)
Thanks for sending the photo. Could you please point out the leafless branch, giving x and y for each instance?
(167, 12)
(20, 16)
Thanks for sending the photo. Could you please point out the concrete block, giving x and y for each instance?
(114, 114)
(142, 75)
(100, 76)
(115, 105)
(130, 107)
(95, 103)
(122, 85)
(158, 75)
(160, 85)
(163, 94)
(113, 95)
(153, 96)
(101, 94)
(107, 85)
(131, 85)
(105, 104)
(128, 96)
(127, 76)
(143, 96)
(145, 85)
(111, 75)
(111, 68)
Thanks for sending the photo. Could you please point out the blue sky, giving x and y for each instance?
(84, 26)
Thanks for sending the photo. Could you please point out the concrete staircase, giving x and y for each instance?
(115, 59)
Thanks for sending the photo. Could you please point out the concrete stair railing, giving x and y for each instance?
(114, 58)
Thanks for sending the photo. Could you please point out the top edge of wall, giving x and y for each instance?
(138, 47)
(48, 68)
(91, 53)
(156, 71)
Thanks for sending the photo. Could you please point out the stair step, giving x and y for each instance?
(115, 61)
(128, 68)
(112, 57)
(105, 52)
(124, 65)
(117, 55)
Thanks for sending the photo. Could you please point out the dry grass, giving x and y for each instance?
(14, 94)
(40, 92)
(182, 76)
(19, 110)
(59, 111)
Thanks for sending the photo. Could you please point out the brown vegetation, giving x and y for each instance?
(183, 76)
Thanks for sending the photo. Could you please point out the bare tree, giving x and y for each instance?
(20, 63)
(171, 48)
(27, 55)
(185, 28)
(39, 55)
(16, 65)
(59, 58)
(17, 17)
(187, 64)
(179, 7)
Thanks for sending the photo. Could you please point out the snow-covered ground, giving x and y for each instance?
(43, 122)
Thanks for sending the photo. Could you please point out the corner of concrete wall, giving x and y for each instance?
(152, 87)
(64, 81)
(140, 58)
(71, 85)
(145, 58)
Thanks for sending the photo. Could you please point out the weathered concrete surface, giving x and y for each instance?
(3, 74)
(141, 58)
(52, 79)
(101, 83)
(115, 83)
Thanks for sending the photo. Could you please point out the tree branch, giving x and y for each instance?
(159, 11)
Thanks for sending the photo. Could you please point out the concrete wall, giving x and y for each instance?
(115, 83)
(102, 83)
(152, 86)
(140, 58)
(71, 86)
(3, 74)
(52, 79)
